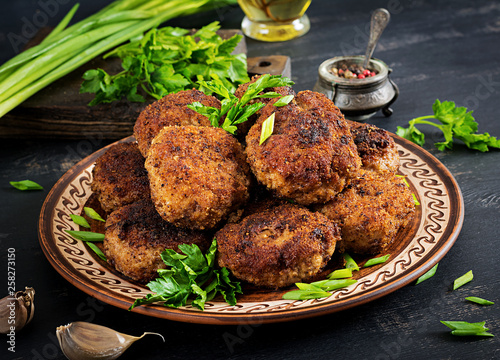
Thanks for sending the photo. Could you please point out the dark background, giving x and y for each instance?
(445, 50)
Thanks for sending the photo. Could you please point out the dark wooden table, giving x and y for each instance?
(445, 50)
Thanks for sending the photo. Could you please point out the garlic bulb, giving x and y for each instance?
(85, 341)
(16, 311)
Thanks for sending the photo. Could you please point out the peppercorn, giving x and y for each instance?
(352, 71)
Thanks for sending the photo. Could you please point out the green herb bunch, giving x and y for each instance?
(237, 110)
(168, 60)
(67, 48)
(455, 122)
(191, 274)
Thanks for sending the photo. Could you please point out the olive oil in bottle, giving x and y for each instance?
(274, 20)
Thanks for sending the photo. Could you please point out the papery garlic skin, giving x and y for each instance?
(85, 341)
(17, 311)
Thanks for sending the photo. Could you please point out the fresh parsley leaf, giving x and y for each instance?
(285, 100)
(26, 185)
(455, 122)
(233, 110)
(226, 286)
(168, 60)
(191, 274)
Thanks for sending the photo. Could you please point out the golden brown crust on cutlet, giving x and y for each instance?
(119, 177)
(370, 211)
(277, 247)
(171, 111)
(198, 175)
(376, 147)
(136, 235)
(312, 100)
(308, 158)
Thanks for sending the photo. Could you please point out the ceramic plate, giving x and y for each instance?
(418, 248)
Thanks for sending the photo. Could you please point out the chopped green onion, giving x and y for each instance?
(86, 235)
(62, 25)
(349, 262)
(285, 100)
(305, 286)
(305, 294)
(471, 333)
(463, 328)
(67, 49)
(329, 285)
(428, 274)
(479, 301)
(96, 250)
(318, 289)
(462, 280)
(376, 261)
(80, 220)
(415, 200)
(464, 325)
(267, 129)
(340, 274)
(26, 185)
(91, 213)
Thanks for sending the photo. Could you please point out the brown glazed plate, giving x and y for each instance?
(418, 248)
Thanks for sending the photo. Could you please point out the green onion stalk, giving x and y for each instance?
(67, 48)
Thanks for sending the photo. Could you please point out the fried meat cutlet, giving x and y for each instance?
(171, 110)
(240, 91)
(309, 157)
(370, 211)
(312, 100)
(136, 235)
(277, 247)
(198, 175)
(119, 177)
(376, 147)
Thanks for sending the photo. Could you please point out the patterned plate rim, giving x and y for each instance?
(434, 234)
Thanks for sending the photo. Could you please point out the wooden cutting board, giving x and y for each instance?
(60, 111)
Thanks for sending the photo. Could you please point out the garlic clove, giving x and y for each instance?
(17, 311)
(85, 341)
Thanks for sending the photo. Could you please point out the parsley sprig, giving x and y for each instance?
(191, 274)
(455, 122)
(234, 110)
(168, 60)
